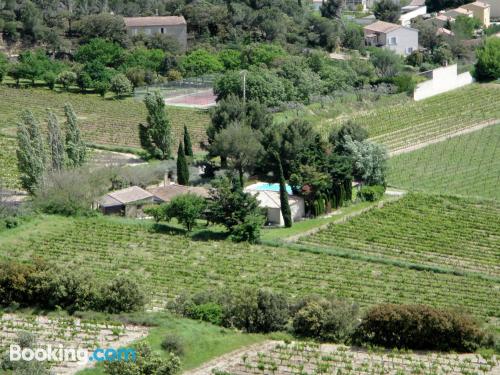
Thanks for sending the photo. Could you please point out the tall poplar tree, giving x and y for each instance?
(182, 167)
(55, 142)
(75, 147)
(188, 147)
(31, 158)
(155, 136)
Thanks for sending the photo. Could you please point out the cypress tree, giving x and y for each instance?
(155, 136)
(188, 148)
(182, 167)
(55, 143)
(31, 158)
(75, 147)
(285, 206)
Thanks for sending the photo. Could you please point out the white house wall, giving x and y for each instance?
(406, 18)
(443, 79)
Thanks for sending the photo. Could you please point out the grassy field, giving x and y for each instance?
(431, 230)
(170, 264)
(465, 165)
(103, 121)
(9, 175)
(201, 341)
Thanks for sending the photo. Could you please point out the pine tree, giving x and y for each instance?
(31, 156)
(75, 147)
(188, 148)
(182, 167)
(285, 205)
(156, 136)
(55, 143)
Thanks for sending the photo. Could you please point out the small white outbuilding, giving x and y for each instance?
(270, 200)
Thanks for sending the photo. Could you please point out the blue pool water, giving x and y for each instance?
(272, 187)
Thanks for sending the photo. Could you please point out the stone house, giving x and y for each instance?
(173, 26)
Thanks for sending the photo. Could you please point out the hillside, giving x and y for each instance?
(465, 165)
(103, 121)
(437, 231)
(169, 264)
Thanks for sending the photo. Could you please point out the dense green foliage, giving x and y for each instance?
(387, 10)
(31, 157)
(185, 208)
(50, 287)
(155, 136)
(147, 361)
(488, 60)
(182, 166)
(419, 327)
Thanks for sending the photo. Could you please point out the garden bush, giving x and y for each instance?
(325, 319)
(371, 193)
(121, 295)
(257, 311)
(418, 327)
(173, 344)
(48, 287)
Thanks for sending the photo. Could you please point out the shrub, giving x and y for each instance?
(121, 295)
(173, 344)
(418, 327)
(66, 79)
(325, 319)
(121, 86)
(249, 229)
(147, 362)
(257, 311)
(371, 193)
(488, 60)
(208, 312)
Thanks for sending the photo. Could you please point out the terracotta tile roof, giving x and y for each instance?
(382, 27)
(154, 21)
(417, 3)
(166, 193)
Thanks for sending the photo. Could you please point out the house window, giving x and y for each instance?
(409, 50)
(392, 40)
(162, 30)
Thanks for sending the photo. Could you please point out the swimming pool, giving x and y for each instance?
(264, 186)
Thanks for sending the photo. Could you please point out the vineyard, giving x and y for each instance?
(103, 121)
(171, 264)
(9, 177)
(311, 358)
(431, 230)
(67, 331)
(465, 165)
(399, 123)
(402, 126)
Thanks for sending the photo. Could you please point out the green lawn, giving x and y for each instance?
(103, 121)
(465, 165)
(432, 230)
(201, 341)
(168, 265)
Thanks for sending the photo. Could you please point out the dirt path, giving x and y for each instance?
(231, 359)
(443, 138)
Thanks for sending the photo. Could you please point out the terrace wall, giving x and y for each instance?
(443, 79)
